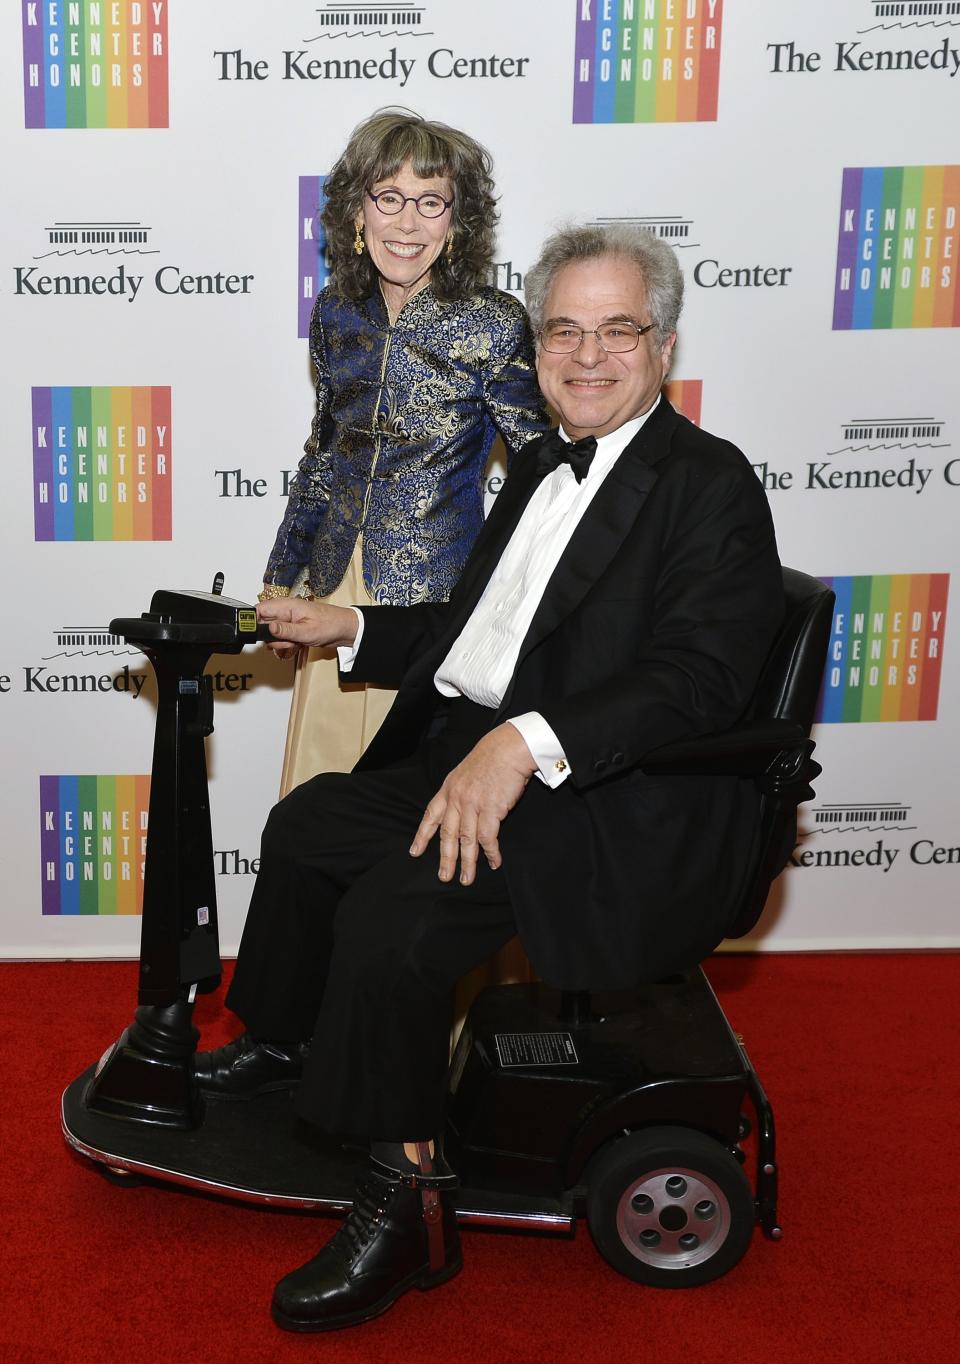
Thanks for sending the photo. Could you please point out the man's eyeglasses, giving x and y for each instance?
(563, 338)
(391, 202)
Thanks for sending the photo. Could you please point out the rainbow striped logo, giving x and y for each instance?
(93, 842)
(314, 271)
(102, 464)
(686, 395)
(647, 61)
(886, 648)
(95, 64)
(898, 248)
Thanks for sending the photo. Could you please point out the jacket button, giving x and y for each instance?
(599, 765)
(617, 758)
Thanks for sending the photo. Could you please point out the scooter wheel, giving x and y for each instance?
(669, 1207)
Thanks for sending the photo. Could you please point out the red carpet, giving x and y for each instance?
(858, 1053)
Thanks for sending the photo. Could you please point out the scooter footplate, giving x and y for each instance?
(259, 1151)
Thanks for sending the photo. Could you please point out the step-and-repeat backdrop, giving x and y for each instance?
(159, 251)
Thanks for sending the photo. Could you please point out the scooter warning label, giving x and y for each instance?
(536, 1049)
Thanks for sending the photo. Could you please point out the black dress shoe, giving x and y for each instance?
(246, 1068)
(401, 1233)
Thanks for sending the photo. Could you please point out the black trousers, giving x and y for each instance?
(353, 942)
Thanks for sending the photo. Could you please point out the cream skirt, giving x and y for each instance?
(331, 722)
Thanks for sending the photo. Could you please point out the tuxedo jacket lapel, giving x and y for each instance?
(595, 541)
(504, 517)
(602, 529)
(490, 543)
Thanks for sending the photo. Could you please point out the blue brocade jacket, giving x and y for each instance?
(404, 422)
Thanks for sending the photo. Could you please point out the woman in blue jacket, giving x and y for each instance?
(419, 365)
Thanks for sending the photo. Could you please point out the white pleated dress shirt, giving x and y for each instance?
(481, 661)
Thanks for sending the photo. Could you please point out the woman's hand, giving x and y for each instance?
(294, 623)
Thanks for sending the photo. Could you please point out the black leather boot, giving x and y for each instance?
(400, 1233)
(246, 1068)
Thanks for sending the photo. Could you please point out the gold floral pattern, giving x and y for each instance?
(473, 350)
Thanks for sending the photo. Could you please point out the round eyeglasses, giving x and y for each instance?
(563, 338)
(391, 202)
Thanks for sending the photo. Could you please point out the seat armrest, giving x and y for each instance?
(750, 749)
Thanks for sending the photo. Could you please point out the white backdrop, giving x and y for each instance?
(150, 277)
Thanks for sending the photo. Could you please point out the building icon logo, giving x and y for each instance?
(95, 64)
(886, 648)
(86, 641)
(370, 21)
(897, 248)
(102, 463)
(646, 61)
(913, 14)
(93, 842)
(313, 266)
(891, 433)
(669, 227)
(97, 239)
(867, 817)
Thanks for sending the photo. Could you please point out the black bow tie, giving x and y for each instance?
(556, 451)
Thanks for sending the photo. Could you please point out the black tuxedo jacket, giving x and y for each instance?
(653, 628)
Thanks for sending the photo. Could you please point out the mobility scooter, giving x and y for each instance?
(629, 1110)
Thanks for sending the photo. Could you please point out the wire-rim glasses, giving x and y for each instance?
(563, 338)
(392, 202)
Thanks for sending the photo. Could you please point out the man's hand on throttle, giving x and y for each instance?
(294, 622)
(473, 801)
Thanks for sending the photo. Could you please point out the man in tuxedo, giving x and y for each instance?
(623, 594)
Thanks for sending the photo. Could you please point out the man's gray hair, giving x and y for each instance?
(654, 259)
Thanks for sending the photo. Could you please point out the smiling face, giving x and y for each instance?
(403, 246)
(592, 391)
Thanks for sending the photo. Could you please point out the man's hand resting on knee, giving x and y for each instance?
(474, 800)
(294, 622)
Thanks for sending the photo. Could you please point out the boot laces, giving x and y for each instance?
(373, 1196)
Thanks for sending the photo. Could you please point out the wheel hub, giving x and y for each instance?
(673, 1218)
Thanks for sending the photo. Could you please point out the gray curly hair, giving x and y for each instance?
(655, 260)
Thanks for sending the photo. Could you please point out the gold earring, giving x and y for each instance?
(358, 241)
(450, 245)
